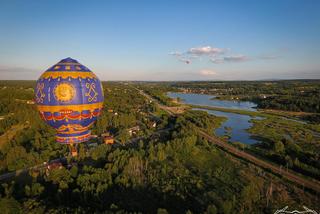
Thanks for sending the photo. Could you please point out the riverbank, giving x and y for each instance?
(210, 102)
(268, 114)
(229, 110)
(238, 116)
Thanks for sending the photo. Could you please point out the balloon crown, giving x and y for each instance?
(68, 60)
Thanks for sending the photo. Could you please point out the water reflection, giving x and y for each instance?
(203, 99)
(235, 126)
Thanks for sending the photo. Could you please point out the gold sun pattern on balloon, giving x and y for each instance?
(64, 92)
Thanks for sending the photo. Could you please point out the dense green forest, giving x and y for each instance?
(179, 174)
(289, 143)
(174, 172)
(30, 137)
(25, 139)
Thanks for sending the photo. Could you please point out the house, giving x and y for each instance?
(107, 138)
(134, 130)
(154, 125)
(52, 166)
(55, 165)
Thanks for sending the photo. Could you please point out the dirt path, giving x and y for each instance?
(286, 113)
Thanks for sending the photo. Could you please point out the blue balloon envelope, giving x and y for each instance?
(69, 98)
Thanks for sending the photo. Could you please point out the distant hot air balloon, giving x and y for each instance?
(69, 98)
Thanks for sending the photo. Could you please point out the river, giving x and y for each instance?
(235, 126)
(204, 99)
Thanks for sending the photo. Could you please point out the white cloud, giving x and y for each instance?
(217, 60)
(181, 57)
(175, 53)
(214, 54)
(185, 60)
(232, 58)
(235, 58)
(206, 50)
(207, 72)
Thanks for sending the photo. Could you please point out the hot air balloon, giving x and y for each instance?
(69, 98)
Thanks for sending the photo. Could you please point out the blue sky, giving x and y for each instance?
(163, 40)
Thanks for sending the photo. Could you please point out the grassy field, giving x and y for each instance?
(9, 134)
(236, 111)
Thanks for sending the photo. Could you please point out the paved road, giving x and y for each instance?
(163, 107)
(10, 175)
(310, 184)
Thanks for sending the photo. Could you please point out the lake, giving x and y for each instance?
(237, 122)
(203, 99)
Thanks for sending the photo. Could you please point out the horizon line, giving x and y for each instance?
(292, 79)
